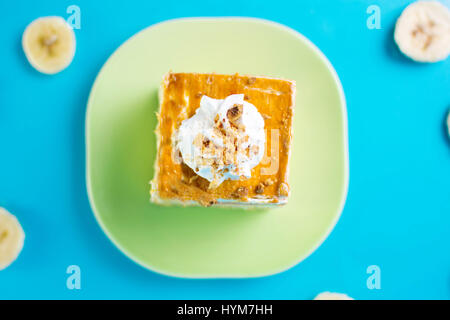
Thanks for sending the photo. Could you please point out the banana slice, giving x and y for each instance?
(332, 296)
(11, 238)
(448, 123)
(49, 44)
(423, 31)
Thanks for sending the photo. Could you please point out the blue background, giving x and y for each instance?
(397, 214)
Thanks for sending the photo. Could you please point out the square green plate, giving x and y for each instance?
(213, 242)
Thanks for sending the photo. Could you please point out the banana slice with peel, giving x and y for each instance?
(49, 44)
(422, 31)
(11, 238)
(332, 296)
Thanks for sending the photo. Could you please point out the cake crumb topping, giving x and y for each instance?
(259, 189)
(240, 192)
(283, 189)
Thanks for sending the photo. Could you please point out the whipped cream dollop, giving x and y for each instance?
(223, 140)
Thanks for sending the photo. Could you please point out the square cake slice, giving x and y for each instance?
(223, 140)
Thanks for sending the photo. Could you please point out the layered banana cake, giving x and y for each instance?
(223, 140)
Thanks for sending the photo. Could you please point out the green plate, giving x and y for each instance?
(214, 242)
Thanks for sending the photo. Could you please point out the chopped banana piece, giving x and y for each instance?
(448, 123)
(11, 238)
(423, 31)
(49, 44)
(332, 296)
